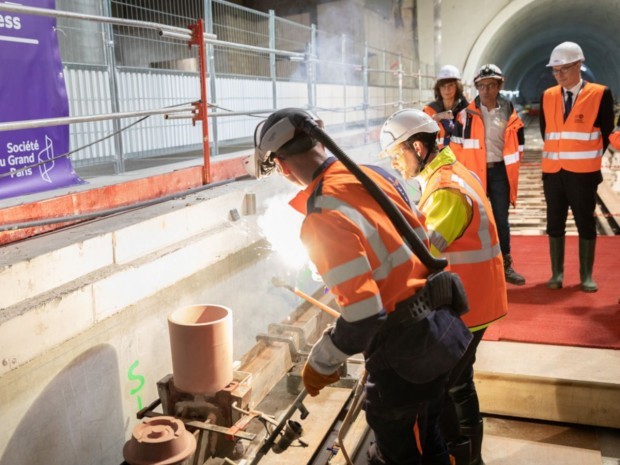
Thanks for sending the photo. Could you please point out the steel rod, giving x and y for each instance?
(40, 123)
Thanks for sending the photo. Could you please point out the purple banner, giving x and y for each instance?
(32, 86)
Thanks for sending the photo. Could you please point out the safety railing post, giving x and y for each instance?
(208, 7)
(110, 59)
(343, 61)
(201, 107)
(366, 99)
(272, 58)
(420, 87)
(310, 60)
(400, 82)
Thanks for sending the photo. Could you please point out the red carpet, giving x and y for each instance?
(566, 316)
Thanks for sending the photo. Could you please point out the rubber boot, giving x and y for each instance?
(511, 275)
(460, 453)
(586, 263)
(475, 437)
(556, 250)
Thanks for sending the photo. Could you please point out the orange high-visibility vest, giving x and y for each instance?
(475, 256)
(430, 110)
(470, 149)
(614, 138)
(575, 144)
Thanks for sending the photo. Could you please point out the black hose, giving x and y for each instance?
(311, 128)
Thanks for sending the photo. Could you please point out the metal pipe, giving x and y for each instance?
(253, 48)
(15, 8)
(40, 123)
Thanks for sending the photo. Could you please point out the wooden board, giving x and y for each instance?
(509, 442)
(324, 410)
(556, 383)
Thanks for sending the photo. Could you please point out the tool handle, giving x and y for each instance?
(315, 302)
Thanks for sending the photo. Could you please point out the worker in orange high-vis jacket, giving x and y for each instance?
(449, 101)
(461, 228)
(576, 120)
(380, 286)
(614, 138)
(489, 142)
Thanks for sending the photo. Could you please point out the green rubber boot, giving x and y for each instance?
(556, 250)
(586, 263)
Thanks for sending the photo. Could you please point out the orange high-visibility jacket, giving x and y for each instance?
(362, 257)
(443, 137)
(575, 144)
(475, 256)
(470, 147)
(359, 254)
(614, 138)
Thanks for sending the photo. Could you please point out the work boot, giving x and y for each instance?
(460, 453)
(556, 250)
(586, 263)
(511, 275)
(475, 437)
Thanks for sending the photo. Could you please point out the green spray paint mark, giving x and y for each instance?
(139, 379)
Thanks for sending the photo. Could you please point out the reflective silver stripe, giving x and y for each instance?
(484, 235)
(471, 143)
(588, 155)
(438, 240)
(521, 148)
(398, 257)
(363, 309)
(573, 135)
(360, 266)
(456, 140)
(473, 256)
(512, 158)
(346, 271)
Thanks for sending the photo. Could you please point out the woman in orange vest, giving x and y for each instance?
(449, 101)
(576, 120)
(461, 228)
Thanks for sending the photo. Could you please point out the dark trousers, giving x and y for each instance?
(498, 191)
(460, 406)
(396, 439)
(575, 190)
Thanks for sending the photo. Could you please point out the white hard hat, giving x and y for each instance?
(448, 72)
(566, 53)
(402, 125)
(489, 71)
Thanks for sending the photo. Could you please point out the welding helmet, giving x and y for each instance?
(566, 53)
(489, 72)
(402, 125)
(448, 72)
(279, 135)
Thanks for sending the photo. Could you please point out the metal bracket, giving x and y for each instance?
(281, 328)
(270, 338)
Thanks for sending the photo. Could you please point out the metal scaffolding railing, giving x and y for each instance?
(255, 62)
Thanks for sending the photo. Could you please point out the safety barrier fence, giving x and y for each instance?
(116, 67)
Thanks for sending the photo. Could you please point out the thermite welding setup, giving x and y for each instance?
(207, 409)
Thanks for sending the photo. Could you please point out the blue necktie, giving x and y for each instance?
(568, 104)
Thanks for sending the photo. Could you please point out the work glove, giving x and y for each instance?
(315, 381)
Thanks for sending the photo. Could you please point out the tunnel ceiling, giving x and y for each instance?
(522, 45)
